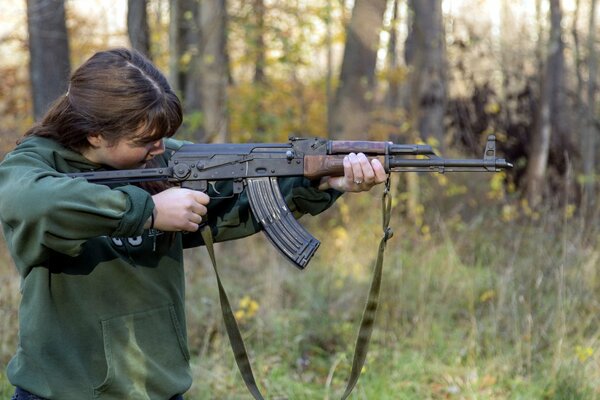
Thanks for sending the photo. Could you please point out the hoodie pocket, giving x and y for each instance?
(146, 356)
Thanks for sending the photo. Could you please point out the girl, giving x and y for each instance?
(102, 309)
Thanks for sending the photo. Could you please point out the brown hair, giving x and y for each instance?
(117, 93)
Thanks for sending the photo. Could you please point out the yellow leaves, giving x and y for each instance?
(208, 59)
(441, 179)
(583, 179)
(528, 211)
(488, 295)
(340, 235)
(185, 60)
(583, 353)
(570, 210)
(497, 186)
(394, 76)
(426, 231)
(456, 190)
(344, 211)
(433, 142)
(248, 308)
(492, 108)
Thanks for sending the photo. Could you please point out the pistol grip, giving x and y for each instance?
(280, 226)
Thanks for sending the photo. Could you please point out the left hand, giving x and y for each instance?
(360, 175)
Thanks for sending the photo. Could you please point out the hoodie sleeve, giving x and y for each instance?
(42, 209)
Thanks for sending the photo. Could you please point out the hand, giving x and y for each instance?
(359, 175)
(178, 209)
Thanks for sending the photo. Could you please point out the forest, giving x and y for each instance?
(491, 285)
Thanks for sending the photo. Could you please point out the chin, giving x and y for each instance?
(133, 166)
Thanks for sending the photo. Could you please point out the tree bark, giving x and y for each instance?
(190, 61)
(329, 95)
(176, 44)
(259, 51)
(137, 26)
(550, 120)
(49, 65)
(184, 48)
(354, 97)
(426, 58)
(214, 69)
(259, 42)
(589, 141)
(393, 94)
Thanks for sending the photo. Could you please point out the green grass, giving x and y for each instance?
(483, 304)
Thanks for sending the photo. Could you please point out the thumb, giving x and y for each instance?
(331, 182)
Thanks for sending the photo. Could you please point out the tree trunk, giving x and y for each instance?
(137, 26)
(589, 141)
(49, 65)
(259, 51)
(424, 95)
(427, 62)
(393, 94)
(579, 91)
(329, 76)
(259, 42)
(551, 104)
(190, 68)
(176, 44)
(214, 69)
(354, 97)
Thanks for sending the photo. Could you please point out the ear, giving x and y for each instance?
(95, 139)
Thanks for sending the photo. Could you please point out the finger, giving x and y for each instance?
(367, 169)
(357, 174)
(338, 183)
(191, 227)
(348, 174)
(198, 209)
(195, 218)
(380, 174)
(201, 197)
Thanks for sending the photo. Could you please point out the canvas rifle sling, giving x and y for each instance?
(366, 325)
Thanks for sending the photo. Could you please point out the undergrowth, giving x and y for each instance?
(480, 300)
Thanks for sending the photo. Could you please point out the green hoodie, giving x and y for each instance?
(102, 309)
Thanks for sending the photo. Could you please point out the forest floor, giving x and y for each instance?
(481, 298)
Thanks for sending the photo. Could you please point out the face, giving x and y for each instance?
(123, 154)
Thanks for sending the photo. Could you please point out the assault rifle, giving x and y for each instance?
(256, 167)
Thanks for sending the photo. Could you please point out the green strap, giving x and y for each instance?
(368, 317)
(233, 331)
(366, 325)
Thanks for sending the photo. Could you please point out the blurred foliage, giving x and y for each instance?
(286, 108)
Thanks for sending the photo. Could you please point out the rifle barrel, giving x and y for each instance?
(436, 164)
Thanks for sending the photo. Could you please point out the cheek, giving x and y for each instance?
(128, 157)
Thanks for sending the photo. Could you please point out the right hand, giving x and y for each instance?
(178, 209)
